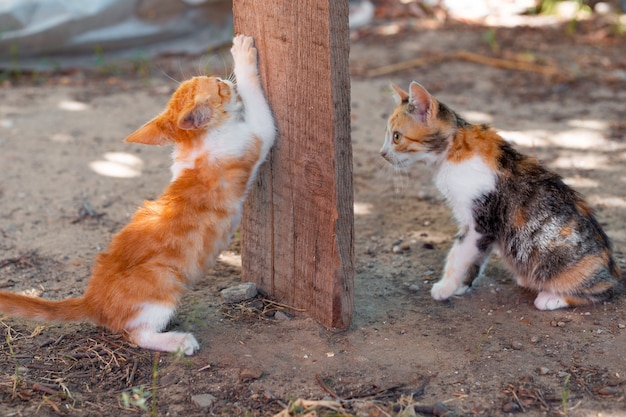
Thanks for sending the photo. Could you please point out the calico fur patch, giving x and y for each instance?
(501, 199)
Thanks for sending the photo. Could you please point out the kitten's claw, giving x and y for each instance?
(548, 301)
(442, 290)
(243, 50)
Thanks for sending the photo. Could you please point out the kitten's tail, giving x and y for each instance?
(70, 309)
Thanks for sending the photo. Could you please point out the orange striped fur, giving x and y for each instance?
(220, 136)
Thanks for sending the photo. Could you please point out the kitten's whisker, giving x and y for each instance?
(166, 75)
(206, 65)
(397, 172)
(401, 176)
(400, 179)
(182, 70)
(225, 68)
(198, 68)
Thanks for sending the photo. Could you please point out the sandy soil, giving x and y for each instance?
(487, 353)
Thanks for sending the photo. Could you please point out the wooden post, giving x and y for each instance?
(298, 224)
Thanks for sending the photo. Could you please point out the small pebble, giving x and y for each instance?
(169, 379)
(511, 407)
(396, 249)
(249, 374)
(608, 391)
(203, 400)
(256, 304)
(414, 288)
(440, 409)
(516, 346)
(543, 370)
(239, 292)
(281, 316)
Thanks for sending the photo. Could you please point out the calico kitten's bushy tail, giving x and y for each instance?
(70, 309)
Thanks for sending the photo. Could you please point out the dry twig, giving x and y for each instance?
(467, 56)
(325, 387)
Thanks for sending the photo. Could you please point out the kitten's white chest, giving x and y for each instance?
(462, 183)
(231, 141)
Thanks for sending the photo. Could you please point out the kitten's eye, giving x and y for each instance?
(396, 137)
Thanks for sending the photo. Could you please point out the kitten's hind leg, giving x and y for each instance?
(548, 301)
(592, 294)
(144, 330)
(464, 264)
(166, 342)
(592, 280)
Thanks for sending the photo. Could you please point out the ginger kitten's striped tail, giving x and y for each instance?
(70, 309)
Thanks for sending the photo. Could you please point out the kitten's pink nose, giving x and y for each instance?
(383, 154)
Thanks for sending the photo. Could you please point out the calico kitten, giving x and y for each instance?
(544, 231)
(221, 134)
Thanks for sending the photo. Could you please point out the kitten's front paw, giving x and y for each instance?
(243, 50)
(548, 301)
(463, 289)
(442, 290)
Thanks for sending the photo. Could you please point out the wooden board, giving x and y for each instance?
(298, 225)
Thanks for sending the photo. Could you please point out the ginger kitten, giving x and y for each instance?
(221, 134)
(544, 231)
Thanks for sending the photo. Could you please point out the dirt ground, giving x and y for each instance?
(488, 353)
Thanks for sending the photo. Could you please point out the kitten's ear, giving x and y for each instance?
(148, 134)
(422, 102)
(399, 95)
(195, 118)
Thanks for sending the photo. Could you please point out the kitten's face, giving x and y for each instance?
(414, 131)
(202, 101)
(198, 104)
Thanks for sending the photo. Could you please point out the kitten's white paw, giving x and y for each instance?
(189, 345)
(165, 342)
(548, 301)
(243, 50)
(462, 290)
(442, 290)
